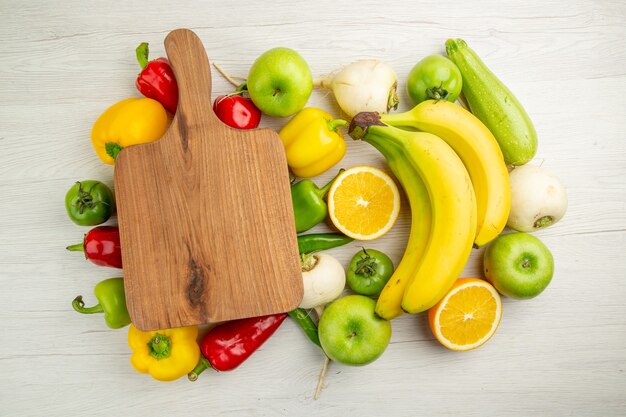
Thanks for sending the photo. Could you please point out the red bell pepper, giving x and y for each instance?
(237, 111)
(228, 345)
(156, 79)
(101, 246)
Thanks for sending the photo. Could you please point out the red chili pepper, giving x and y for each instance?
(227, 345)
(101, 246)
(156, 80)
(237, 111)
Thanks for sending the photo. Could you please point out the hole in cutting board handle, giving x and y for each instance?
(190, 64)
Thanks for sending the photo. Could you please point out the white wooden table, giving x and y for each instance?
(563, 353)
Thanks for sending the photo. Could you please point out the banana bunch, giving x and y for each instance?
(459, 193)
(479, 151)
(443, 210)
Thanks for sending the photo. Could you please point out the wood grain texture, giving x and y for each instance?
(206, 224)
(561, 354)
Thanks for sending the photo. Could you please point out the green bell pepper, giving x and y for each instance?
(112, 302)
(309, 207)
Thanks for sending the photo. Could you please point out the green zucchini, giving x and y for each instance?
(494, 105)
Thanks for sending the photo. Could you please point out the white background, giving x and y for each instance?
(563, 353)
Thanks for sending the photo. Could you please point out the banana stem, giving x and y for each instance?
(361, 123)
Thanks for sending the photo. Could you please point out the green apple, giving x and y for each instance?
(519, 265)
(280, 82)
(351, 333)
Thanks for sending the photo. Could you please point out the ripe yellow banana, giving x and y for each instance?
(454, 221)
(389, 304)
(479, 151)
(452, 207)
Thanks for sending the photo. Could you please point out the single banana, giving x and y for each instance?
(479, 151)
(389, 304)
(452, 201)
(453, 229)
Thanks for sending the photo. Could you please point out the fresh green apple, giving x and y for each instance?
(351, 333)
(519, 265)
(280, 82)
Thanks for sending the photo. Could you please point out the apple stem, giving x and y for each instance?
(228, 77)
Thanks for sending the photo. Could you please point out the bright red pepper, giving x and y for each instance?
(101, 246)
(227, 345)
(156, 80)
(237, 111)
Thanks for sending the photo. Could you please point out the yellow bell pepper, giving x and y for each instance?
(129, 122)
(313, 142)
(165, 354)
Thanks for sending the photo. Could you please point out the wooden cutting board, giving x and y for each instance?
(205, 215)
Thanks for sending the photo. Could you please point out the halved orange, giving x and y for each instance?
(467, 316)
(363, 203)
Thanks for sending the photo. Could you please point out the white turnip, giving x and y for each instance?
(367, 85)
(538, 199)
(324, 279)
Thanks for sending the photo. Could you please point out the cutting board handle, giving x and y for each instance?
(193, 75)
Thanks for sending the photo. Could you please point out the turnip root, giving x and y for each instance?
(324, 279)
(538, 199)
(367, 85)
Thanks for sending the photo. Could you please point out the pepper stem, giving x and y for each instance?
(79, 305)
(334, 124)
(113, 149)
(324, 190)
(79, 247)
(160, 346)
(142, 52)
(203, 364)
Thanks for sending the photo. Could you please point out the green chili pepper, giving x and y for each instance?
(112, 302)
(321, 241)
(309, 207)
(301, 316)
